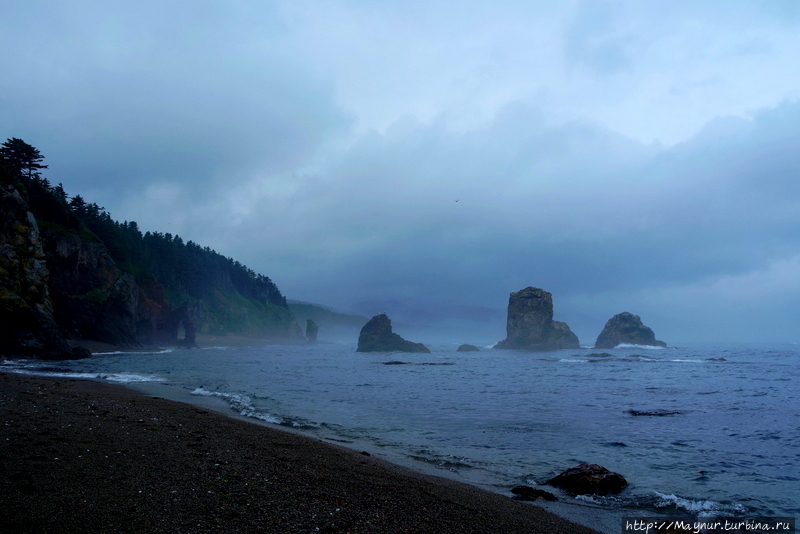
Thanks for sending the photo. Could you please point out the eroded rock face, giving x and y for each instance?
(377, 336)
(626, 328)
(27, 325)
(589, 479)
(93, 299)
(530, 324)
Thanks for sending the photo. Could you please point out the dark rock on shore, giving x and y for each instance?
(527, 493)
(467, 348)
(311, 331)
(377, 336)
(530, 324)
(626, 328)
(589, 479)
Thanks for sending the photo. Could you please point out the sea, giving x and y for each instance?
(702, 430)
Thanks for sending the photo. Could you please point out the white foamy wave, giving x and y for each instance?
(240, 403)
(699, 507)
(634, 346)
(38, 370)
(573, 360)
(129, 377)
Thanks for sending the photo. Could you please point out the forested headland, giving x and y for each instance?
(68, 270)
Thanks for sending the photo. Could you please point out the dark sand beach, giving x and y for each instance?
(84, 456)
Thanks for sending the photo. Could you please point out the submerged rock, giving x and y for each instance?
(626, 328)
(467, 348)
(530, 324)
(527, 493)
(589, 478)
(377, 336)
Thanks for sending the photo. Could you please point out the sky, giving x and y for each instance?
(426, 159)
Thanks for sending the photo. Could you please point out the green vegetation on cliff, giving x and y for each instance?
(111, 282)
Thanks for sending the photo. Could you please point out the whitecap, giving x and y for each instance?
(241, 404)
(634, 346)
(700, 507)
(130, 377)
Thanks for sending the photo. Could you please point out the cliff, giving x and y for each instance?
(530, 324)
(69, 271)
(27, 325)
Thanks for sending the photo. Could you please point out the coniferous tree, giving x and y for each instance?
(21, 159)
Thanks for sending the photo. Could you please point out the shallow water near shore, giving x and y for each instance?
(702, 430)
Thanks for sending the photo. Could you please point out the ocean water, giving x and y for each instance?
(706, 430)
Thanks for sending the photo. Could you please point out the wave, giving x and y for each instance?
(37, 368)
(634, 346)
(241, 404)
(698, 507)
(113, 352)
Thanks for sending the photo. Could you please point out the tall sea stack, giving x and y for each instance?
(530, 324)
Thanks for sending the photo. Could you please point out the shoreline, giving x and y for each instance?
(589, 515)
(89, 455)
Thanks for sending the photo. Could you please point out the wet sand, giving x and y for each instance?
(85, 456)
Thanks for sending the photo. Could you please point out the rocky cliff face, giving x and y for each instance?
(377, 336)
(530, 324)
(92, 298)
(61, 283)
(626, 328)
(27, 324)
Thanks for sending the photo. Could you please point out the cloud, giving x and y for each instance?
(155, 93)
(427, 158)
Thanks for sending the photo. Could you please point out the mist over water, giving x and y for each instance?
(701, 430)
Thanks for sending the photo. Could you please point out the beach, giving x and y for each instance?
(88, 456)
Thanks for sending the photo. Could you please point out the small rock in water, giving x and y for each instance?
(467, 348)
(589, 479)
(527, 493)
(655, 413)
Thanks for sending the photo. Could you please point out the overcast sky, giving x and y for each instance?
(429, 158)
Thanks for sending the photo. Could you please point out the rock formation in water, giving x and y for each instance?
(311, 331)
(530, 324)
(589, 479)
(467, 348)
(377, 336)
(626, 328)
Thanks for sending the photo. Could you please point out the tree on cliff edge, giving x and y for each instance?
(20, 158)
